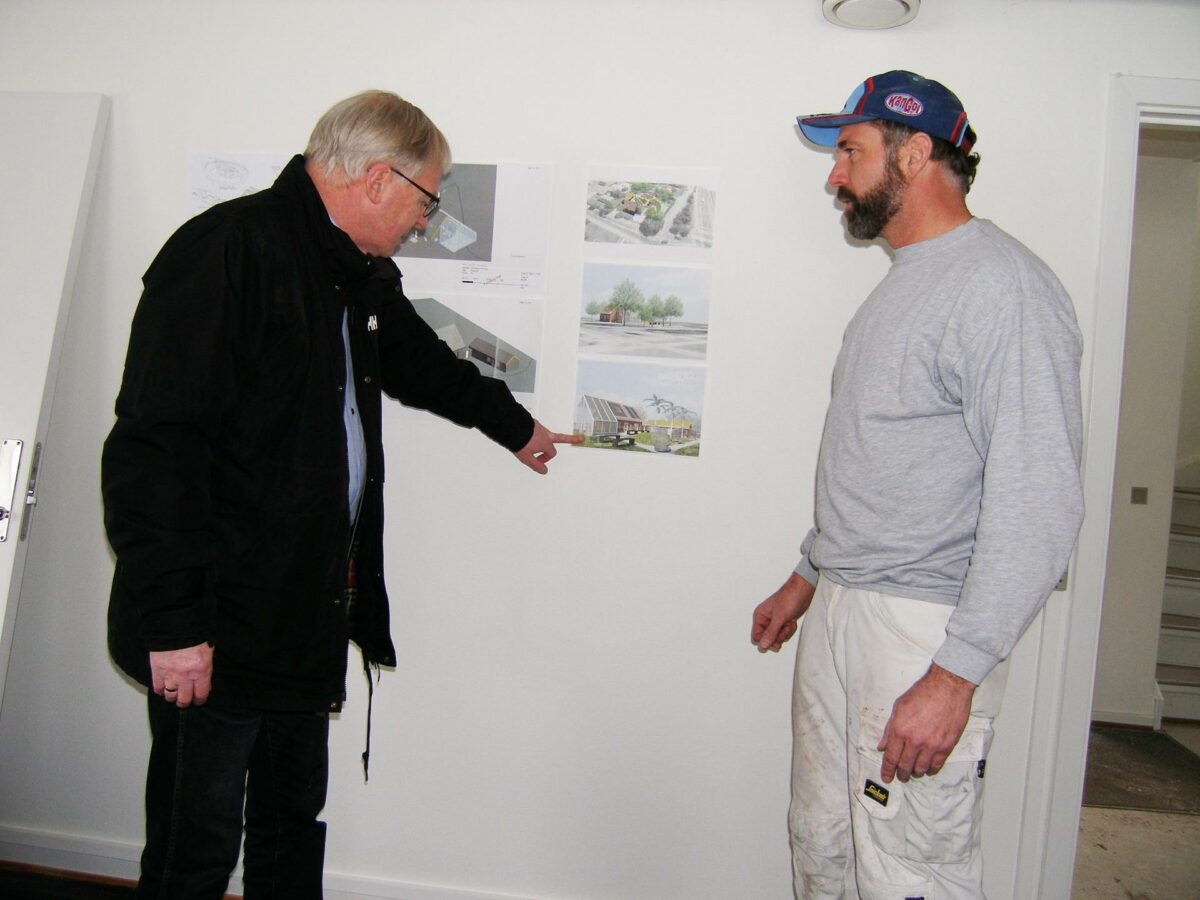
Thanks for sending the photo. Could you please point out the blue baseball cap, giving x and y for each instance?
(897, 96)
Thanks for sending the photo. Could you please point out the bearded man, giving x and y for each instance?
(948, 502)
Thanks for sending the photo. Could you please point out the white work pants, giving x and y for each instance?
(852, 835)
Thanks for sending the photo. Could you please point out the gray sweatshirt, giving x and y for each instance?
(949, 466)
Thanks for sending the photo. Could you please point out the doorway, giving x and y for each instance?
(1148, 662)
(1147, 670)
(1062, 708)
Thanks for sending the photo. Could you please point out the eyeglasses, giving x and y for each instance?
(432, 201)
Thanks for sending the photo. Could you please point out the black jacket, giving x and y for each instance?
(225, 475)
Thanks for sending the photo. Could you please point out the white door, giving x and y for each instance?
(49, 151)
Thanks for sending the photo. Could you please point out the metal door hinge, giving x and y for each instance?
(31, 490)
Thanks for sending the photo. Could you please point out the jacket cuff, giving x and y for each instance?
(514, 431)
(175, 629)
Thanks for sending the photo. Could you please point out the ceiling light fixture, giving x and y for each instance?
(870, 13)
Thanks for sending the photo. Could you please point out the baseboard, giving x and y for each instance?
(72, 853)
(116, 859)
(1117, 717)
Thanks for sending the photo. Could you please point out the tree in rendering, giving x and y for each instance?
(652, 222)
(626, 298)
(672, 308)
(652, 310)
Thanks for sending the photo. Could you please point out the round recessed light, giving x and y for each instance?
(870, 13)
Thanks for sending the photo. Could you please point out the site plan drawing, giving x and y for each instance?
(213, 178)
(659, 214)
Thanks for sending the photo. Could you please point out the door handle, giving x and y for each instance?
(10, 466)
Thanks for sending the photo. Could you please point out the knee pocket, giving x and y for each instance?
(821, 835)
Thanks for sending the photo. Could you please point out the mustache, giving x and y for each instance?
(844, 195)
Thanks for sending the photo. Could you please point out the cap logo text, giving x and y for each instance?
(904, 104)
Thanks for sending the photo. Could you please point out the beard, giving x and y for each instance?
(871, 211)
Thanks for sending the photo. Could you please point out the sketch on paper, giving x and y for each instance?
(493, 357)
(213, 179)
(648, 311)
(640, 407)
(650, 213)
(463, 226)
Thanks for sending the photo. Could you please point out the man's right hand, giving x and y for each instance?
(775, 618)
(182, 677)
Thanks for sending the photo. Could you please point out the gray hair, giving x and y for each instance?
(960, 163)
(376, 126)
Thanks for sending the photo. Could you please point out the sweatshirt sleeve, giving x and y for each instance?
(805, 568)
(1020, 387)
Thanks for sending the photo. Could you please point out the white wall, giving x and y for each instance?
(542, 736)
(1161, 288)
(1187, 455)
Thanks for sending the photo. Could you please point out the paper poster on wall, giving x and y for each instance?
(645, 311)
(639, 407)
(214, 178)
(499, 335)
(490, 236)
(477, 270)
(642, 213)
(644, 308)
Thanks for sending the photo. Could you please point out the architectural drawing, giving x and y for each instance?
(493, 357)
(462, 229)
(490, 236)
(645, 311)
(660, 210)
(214, 178)
(636, 407)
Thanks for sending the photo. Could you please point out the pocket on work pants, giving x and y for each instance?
(932, 819)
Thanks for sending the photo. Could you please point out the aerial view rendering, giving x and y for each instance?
(651, 213)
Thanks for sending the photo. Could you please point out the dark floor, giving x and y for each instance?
(19, 884)
(1131, 768)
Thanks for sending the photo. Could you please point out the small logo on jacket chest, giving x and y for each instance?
(372, 323)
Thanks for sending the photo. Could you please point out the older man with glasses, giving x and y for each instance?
(243, 489)
(432, 201)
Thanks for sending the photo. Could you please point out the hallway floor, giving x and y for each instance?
(1126, 854)
(1122, 854)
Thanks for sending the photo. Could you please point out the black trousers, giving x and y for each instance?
(214, 773)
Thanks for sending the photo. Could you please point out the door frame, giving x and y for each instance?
(1062, 709)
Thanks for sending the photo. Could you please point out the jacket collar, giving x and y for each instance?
(343, 260)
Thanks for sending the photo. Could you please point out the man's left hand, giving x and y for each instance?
(926, 722)
(540, 449)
